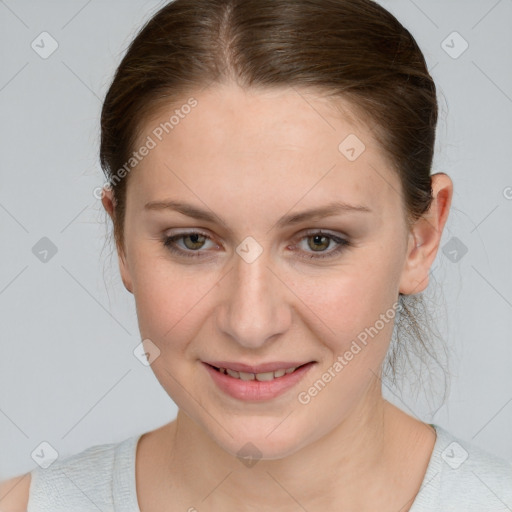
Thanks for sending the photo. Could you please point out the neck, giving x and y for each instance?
(352, 465)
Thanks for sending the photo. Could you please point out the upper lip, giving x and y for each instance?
(259, 368)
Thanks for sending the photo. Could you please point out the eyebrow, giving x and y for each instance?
(190, 210)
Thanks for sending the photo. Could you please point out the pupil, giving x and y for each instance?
(194, 240)
(317, 239)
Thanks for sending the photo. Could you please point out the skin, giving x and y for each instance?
(251, 157)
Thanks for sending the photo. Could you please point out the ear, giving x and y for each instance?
(425, 237)
(108, 201)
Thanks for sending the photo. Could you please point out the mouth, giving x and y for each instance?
(259, 385)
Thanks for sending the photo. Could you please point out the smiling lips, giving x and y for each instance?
(259, 382)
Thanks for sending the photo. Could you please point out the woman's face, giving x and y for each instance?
(255, 282)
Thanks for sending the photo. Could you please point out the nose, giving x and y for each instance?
(254, 308)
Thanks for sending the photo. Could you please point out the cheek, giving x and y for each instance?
(168, 299)
(348, 299)
(354, 315)
(356, 328)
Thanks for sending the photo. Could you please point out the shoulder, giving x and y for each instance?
(475, 472)
(75, 480)
(463, 476)
(69, 483)
(14, 494)
(465, 463)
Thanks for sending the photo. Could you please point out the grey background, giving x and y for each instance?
(68, 375)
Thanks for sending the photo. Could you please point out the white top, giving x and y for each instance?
(460, 477)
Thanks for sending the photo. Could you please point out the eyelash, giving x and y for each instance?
(342, 243)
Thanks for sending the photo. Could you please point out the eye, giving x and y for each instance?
(317, 240)
(193, 240)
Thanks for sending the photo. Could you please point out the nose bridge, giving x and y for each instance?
(254, 308)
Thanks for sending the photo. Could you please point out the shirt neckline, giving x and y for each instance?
(125, 486)
(428, 495)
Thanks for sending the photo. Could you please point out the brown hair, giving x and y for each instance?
(350, 49)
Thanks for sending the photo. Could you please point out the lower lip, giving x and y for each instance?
(255, 390)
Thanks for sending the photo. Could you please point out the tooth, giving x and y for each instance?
(262, 377)
(265, 376)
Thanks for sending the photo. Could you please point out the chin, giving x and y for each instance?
(256, 442)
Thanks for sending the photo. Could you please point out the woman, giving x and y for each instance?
(269, 181)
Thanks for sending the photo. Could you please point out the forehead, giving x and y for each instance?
(284, 144)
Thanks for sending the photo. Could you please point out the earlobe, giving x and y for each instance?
(425, 237)
(108, 202)
(125, 273)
